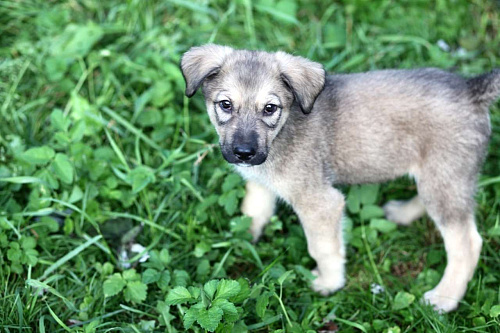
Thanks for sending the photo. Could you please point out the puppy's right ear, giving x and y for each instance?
(200, 62)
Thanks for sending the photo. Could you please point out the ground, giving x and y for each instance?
(118, 212)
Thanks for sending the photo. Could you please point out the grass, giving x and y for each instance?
(100, 152)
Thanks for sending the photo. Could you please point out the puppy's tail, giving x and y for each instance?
(485, 88)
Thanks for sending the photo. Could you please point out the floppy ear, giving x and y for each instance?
(304, 77)
(200, 62)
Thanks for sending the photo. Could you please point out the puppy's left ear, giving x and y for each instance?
(201, 62)
(305, 78)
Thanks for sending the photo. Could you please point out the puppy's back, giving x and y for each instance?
(389, 121)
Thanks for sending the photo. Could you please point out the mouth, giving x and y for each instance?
(243, 164)
(257, 160)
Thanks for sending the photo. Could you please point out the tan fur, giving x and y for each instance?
(362, 128)
(404, 212)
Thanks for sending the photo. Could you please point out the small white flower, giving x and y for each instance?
(376, 289)
(443, 45)
(138, 248)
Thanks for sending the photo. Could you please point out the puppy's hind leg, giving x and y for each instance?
(450, 205)
(404, 212)
(320, 212)
(259, 203)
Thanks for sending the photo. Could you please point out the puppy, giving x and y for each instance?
(293, 131)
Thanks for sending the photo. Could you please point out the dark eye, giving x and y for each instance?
(269, 109)
(225, 105)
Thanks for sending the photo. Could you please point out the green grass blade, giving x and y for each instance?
(145, 221)
(58, 320)
(69, 256)
(131, 128)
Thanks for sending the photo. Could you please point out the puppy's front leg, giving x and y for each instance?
(320, 212)
(259, 203)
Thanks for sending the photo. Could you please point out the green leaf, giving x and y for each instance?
(354, 199)
(30, 257)
(191, 315)
(262, 303)
(394, 329)
(14, 254)
(58, 121)
(240, 224)
(284, 276)
(81, 109)
(48, 222)
(203, 269)
(147, 325)
(164, 312)
(304, 272)
(287, 7)
(229, 201)
(76, 194)
(479, 321)
(149, 118)
(201, 248)
(131, 275)
(181, 278)
(230, 311)
(55, 68)
(382, 225)
(165, 257)
(48, 177)
(195, 292)
(435, 257)
(63, 168)
(371, 211)
(140, 177)
(368, 193)
(227, 288)
(28, 243)
(135, 292)
(150, 275)
(178, 295)
(231, 181)
(76, 40)
(155, 260)
(210, 288)
(495, 311)
(164, 280)
(244, 291)
(210, 319)
(38, 156)
(78, 130)
(402, 300)
(162, 93)
(113, 285)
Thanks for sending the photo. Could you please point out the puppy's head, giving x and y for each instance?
(249, 95)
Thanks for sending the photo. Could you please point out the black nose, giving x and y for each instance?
(244, 152)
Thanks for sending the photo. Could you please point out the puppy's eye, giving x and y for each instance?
(269, 109)
(226, 105)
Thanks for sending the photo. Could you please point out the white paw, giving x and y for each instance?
(395, 212)
(441, 304)
(256, 231)
(326, 285)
